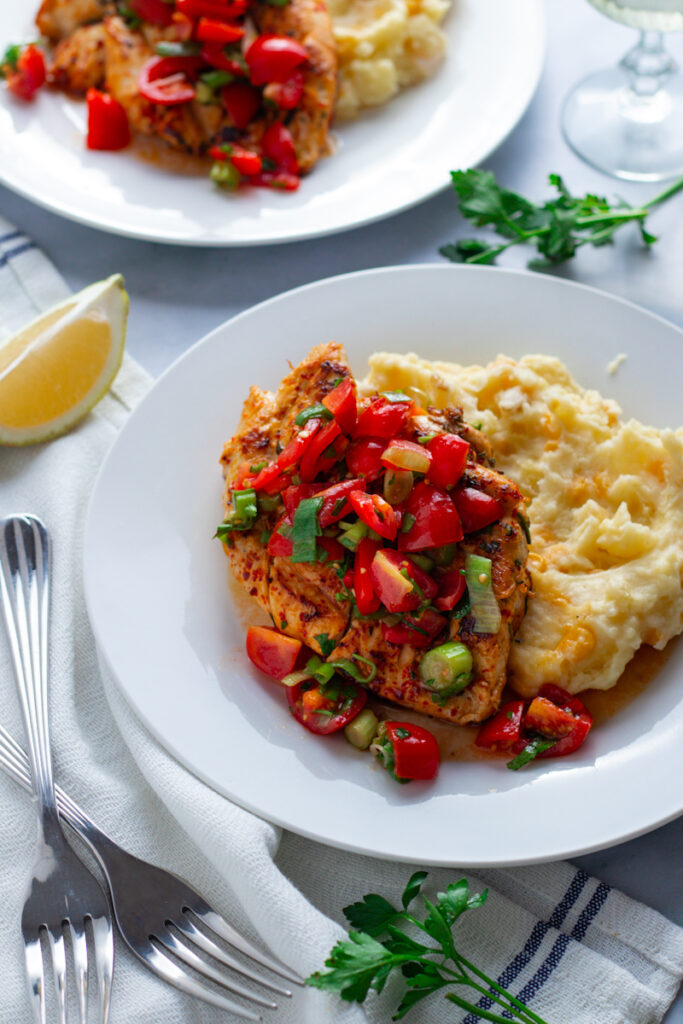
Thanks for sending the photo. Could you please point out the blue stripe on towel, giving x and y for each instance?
(10, 235)
(5, 257)
(533, 943)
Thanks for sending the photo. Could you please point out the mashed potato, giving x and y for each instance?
(605, 507)
(383, 46)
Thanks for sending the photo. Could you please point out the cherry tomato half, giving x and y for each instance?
(364, 458)
(476, 509)
(325, 711)
(449, 456)
(273, 58)
(414, 749)
(108, 127)
(272, 652)
(583, 720)
(503, 729)
(165, 80)
(436, 520)
(383, 418)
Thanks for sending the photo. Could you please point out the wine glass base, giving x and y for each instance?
(639, 138)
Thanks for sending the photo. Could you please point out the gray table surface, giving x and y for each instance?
(178, 295)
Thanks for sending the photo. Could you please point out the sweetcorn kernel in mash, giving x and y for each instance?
(384, 46)
(605, 508)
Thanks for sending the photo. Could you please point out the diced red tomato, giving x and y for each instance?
(156, 12)
(287, 95)
(292, 495)
(416, 753)
(214, 54)
(243, 160)
(273, 58)
(383, 418)
(449, 457)
(396, 592)
(418, 631)
(375, 512)
(364, 458)
(366, 598)
(211, 31)
(503, 730)
(452, 586)
(278, 145)
(400, 454)
(322, 715)
(217, 9)
(335, 501)
(476, 509)
(279, 545)
(272, 652)
(316, 458)
(582, 722)
(436, 519)
(341, 402)
(335, 552)
(278, 180)
(165, 80)
(29, 75)
(244, 476)
(108, 127)
(242, 102)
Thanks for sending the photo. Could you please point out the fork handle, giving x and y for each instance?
(25, 591)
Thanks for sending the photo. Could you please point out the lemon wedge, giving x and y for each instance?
(59, 366)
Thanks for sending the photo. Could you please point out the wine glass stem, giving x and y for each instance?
(648, 65)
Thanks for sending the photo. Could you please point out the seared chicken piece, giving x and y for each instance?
(78, 62)
(309, 22)
(57, 19)
(126, 52)
(300, 597)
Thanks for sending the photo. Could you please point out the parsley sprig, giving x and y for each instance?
(363, 962)
(557, 227)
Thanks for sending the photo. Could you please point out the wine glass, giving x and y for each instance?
(628, 120)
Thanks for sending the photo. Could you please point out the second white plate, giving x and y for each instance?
(172, 630)
(386, 161)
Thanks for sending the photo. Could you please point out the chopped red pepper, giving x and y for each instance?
(242, 102)
(341, 402)
(29, 75)
(383, 418)
(280, 546)
(503, 730)
(364, 458)
(452, 586)
(436, 521)
(449, 457)
(335, 500)
(416, 630)
(335, 552)
(366, 598)
(290, 456)
(272, 652)
(278, 145)
(375, 512)
(476, 509)
(108, 126)
(415, 751)
(273, 58)
(156, 12)
(211, 31)
(316, 458)
(165, 80)
(213, 54)
(291, 496)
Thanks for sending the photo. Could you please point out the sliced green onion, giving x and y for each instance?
(424, 561)
(225, 174)
(244, 512)
(446, 669)
(408, 522)
(353, 535)
(395, 396)
(347, 665)
(294, 678)
(166, 48)
(269, 502)
(216, 79)
(485, 608)
(398, 483)
(531, 750)
(426, 438)
(443, 555)
(362, 730)
(305, 529)
(316, 411)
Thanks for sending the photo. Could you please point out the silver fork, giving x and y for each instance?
(151, 905)
(62, 892)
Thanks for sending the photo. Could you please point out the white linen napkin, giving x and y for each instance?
(576, 950)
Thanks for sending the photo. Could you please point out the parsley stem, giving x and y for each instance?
(498, 988)
(477, 1010)
(671, 190)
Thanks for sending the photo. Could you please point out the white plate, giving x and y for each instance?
(172, 632)
(386, 161)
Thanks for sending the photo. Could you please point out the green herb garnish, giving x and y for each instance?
(317, 411)
(379, 946)
(533, 748)
(244, 512)
(557, 227)
(326, 645)
(305, 529)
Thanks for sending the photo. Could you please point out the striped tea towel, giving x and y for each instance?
(577, 951)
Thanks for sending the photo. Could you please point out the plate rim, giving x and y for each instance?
(70, 212)
(111, 679)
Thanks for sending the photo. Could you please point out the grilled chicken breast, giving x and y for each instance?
(78, 61)
(57, 19)
(306, 600)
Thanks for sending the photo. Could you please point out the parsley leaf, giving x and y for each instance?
(326, 645)
(557, 227)
(372, 915)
